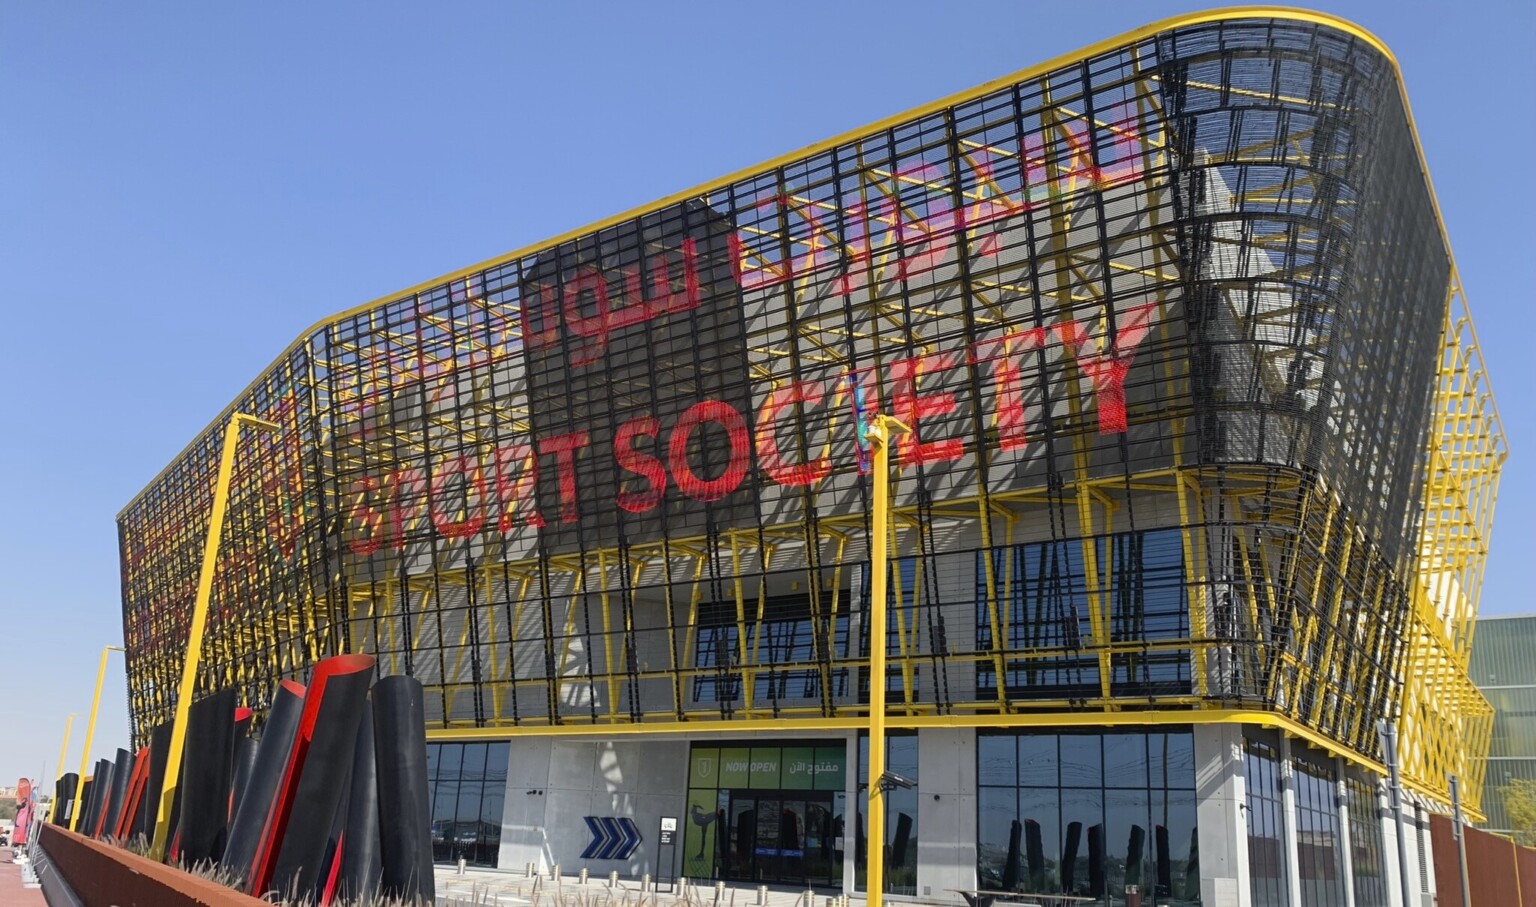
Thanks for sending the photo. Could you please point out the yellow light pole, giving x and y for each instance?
(878, 436)
(90, 731)
(53, 798)
(199, 622)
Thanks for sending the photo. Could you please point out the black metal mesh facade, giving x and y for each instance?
(1166, 322)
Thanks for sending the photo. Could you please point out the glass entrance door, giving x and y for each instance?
(787, 837)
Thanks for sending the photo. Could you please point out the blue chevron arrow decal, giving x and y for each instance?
(631, 838)
(612, 838)
(615, 838)
(599, 838)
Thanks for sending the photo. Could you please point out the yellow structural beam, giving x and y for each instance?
(194, 651)
(881, 428)
(90, 732)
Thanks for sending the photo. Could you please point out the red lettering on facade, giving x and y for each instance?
(400, 499)
(365, 518)
(539, 328)
(1006, 378)
(906, 405)
(593, 329)
(641, 464)
(564, 448)
(768, 455)
(463, 467)
(517, 497)
(1107, 372)
(740, 450)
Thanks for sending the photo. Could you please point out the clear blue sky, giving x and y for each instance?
(185, 187)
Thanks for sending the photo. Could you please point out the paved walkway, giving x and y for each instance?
(11, 892)
(512, 888)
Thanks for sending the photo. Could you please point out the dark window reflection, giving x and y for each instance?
(1089, 814)
(1041, 588)
(1266, 847)
(468, 782)
(900, 817)
(1319, 845)
(1365, 844)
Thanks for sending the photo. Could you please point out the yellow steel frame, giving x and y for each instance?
(1447, 723)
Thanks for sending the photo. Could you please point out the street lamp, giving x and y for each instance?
(199, 622)
(878, 436)
(90, 731)
(53, 798)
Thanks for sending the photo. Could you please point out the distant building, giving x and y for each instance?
(1503, 667)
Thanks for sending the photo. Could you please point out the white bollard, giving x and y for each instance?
(462, 864)
(762, 896)
(582, 875)
(528, 870)
(613, 879)
(554, 873)
(645, 883)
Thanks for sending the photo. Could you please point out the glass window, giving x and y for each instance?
(1082, 841)
(432, 753)
(1365, 844)
(1082, 762)
(1126, 837)
(901, 814)
(444, 809)
(474, 762)
(784, 635)
(998, 837)
(997, 760)
(1171, 759)
(450, 757)
(1038, 591)
(1038, 761)
(1266, 843)
(468, 794)
(492, 804)
(1125, 760)
(1108, 823)
(1174, 850)
(1040, 834)
(496, 763)
(1320, 858)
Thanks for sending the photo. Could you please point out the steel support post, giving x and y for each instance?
(881, 427)
(1388, 731)
(90, 731)
(195, 631)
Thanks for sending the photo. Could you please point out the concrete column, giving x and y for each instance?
(851, 811)
(1222, 798)
(1341, 798)
(946, 813)
(1389, 843)
(1288, 834)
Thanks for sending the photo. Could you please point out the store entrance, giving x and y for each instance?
(790, 837)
